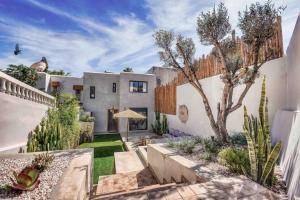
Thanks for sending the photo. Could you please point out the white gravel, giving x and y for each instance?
(48, 178)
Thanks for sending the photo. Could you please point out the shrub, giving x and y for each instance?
(86, 118)
(238, 139)
(186, 145)
(198, 140)
(205, 156)
(211, 146)
(235, 159)
(42, 161)
(171, 143)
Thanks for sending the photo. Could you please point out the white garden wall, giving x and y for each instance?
(286, 126)
(198, 123)
(22, 107)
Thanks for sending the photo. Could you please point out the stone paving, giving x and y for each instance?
(223, 188)
(125, 182)
(127, 162)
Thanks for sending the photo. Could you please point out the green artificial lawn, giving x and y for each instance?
(104, 148)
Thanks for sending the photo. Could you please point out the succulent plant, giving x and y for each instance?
(42, 161)
(261, 154)
(27, 179)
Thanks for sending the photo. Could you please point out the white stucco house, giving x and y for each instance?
(104, 94)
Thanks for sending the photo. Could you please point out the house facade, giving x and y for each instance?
(104, 94)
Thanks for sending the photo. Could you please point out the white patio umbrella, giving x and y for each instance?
(128, 114)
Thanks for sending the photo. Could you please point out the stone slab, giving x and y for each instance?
(127, 162)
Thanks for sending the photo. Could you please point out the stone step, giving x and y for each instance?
(139, 193)
(125, 181)
(128, 162)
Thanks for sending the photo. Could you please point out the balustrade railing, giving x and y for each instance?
(14, 87)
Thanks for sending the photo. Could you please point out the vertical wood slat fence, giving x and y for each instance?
(165, 96)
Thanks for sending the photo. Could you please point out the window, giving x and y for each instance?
(114, 88)
(138, 86)
(158, 82)
(78, 94)
(139, 124)
(92, 92)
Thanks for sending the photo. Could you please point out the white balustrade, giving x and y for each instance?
(14, 87)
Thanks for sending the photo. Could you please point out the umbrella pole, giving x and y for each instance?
(127, 128)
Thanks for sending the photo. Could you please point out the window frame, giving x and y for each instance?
(114, 88)
(146, 82)
(92, 88)
(140, 109)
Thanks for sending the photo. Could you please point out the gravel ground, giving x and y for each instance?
(48, 178)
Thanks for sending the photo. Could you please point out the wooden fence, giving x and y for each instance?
(207, 66)
(165, 99)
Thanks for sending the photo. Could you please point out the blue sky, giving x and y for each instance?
(98, 35)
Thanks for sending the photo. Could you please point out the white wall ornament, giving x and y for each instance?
(183, 113)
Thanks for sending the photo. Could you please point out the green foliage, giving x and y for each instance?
(186, 145)
(238, 139)
(58, 72)
(160, 127)
(86, 118)
(46, 137)
(257, 22)
(236, 159)
(211, 146)
(171, 143)
(59, 130)
(27, 179)
(205, 156)
(22, 73)
(42, 161)
(257, 132)
(214, 25)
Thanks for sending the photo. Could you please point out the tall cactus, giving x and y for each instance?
(257, 132)
(45, 137)
(160, 127)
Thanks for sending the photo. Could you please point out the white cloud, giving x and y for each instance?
(127, 42)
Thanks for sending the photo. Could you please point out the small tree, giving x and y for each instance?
(213, 27)
(128, 69)
(58, 72)
(22, 73)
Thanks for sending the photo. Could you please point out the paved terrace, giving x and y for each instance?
(224, 188)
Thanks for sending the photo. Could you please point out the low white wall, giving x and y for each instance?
(167, 165)
(293, 65)
(198, 123)
(18, 117)
(286, 128)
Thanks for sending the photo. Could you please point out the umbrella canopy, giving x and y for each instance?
(129, 114)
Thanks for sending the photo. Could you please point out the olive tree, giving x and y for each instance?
(257, 26)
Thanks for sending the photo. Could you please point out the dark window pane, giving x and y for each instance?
(139, 124)
(138, 86)
(92, 92)
(114, 87)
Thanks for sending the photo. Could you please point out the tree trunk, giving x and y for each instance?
(222, 130)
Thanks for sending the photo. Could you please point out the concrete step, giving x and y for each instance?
(125, 181)
(127, 162)
(139, 193)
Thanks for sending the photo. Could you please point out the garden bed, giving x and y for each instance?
(49, 178)
(201, 157)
